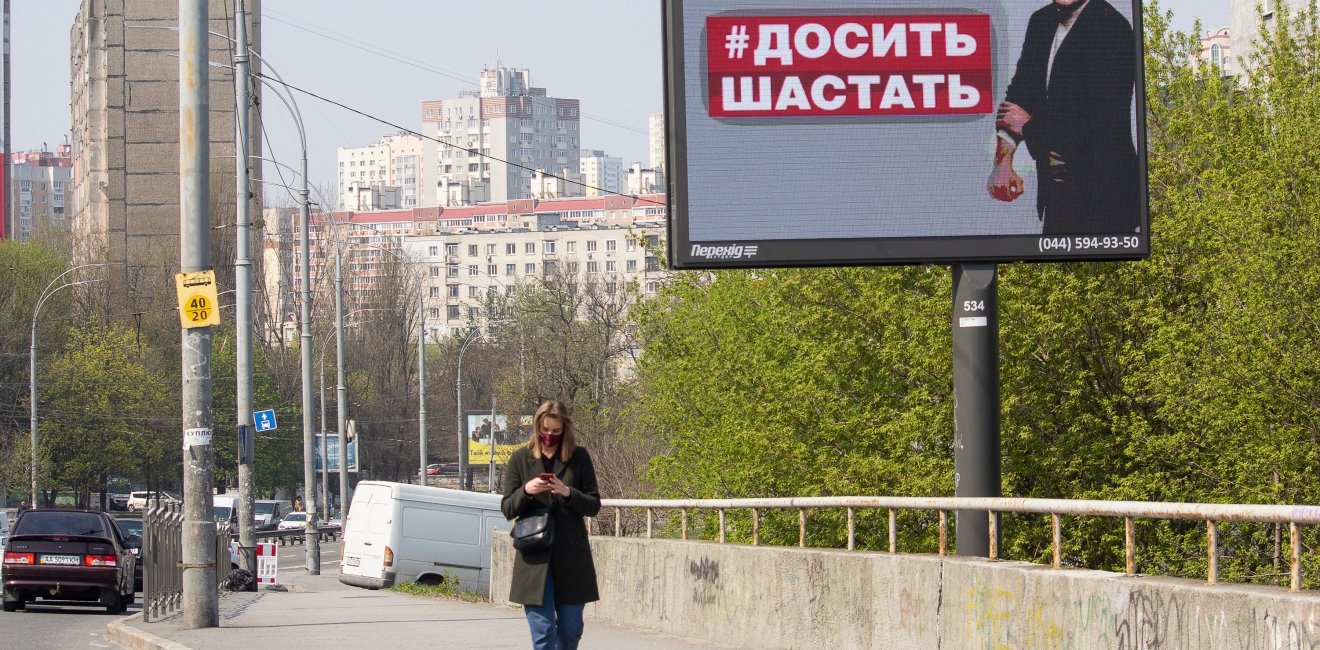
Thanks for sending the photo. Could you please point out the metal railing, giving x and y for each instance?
(162, 558)
(1212, 514)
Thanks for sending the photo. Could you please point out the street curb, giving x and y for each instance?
(120, 633)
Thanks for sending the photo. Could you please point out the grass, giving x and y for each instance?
(447, 589)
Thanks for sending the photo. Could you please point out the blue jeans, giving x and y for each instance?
(554, 627)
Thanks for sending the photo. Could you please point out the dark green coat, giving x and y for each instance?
(570, 557)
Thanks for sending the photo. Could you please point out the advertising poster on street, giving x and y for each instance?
(904, 131)
(332, 452)
(481, 428)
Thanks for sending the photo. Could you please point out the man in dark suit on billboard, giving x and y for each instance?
(1070, 103)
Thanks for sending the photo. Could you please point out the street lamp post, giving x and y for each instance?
(32, 362)
(464, 471)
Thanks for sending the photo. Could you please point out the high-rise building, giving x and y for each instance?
(656, 140)
(508, 119)
(601, 174)
(40, 180)
(382, 176)
(1244, 26)
(124, 205)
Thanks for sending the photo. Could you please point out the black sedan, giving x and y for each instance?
(68, 556)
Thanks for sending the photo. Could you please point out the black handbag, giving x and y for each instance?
(534, 531)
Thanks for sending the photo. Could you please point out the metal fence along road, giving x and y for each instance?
(1211, 513)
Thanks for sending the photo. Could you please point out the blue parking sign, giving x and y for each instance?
(265, 420)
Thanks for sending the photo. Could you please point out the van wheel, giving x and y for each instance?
(430, 580)
(12, 605)
(116, 604)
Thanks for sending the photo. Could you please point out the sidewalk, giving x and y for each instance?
(320, 612)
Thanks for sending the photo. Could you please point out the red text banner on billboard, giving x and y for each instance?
(767, 66)
(887, 132)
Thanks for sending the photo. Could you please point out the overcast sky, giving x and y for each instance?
(385, 57)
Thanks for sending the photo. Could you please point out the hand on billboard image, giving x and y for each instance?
(1070, 102)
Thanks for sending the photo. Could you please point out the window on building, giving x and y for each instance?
(490, 249)
(652, 263)
(434, 292)
(611, 266)
(650, 287)
(630, 244)
(593, 267)
(433, 251)
(632, 266)
(611, 244)
(453, 290)
(1216, 55)
(529, 248)
(529, 268)
(451, 249)
(492, 269)
(510, 249)
(474, 292)
(570, 247)
(452, 312)
(451, 271)
(435, 271)
(548, 246)
(472, 250)
(474, 313)
(611, 287)
(433, 312)
(510, 269)
(573, 268)
(591, 246)
(474, 269)
(550, 267)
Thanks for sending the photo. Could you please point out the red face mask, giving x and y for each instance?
(549, 441)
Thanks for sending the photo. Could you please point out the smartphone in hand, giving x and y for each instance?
(546, 476)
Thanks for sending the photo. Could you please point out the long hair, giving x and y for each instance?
(553, 409)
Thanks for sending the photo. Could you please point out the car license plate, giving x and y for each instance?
(351, 561)
(71, 560)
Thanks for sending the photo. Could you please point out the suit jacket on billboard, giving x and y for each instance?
(1084, 115)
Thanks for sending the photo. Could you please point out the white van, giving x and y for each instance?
(398, 533)
(225, 507)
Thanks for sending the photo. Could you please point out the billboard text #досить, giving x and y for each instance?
(886, 132)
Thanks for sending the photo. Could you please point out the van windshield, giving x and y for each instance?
(223, 513)
(264, 508)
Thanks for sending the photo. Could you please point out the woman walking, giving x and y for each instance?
(553, 585)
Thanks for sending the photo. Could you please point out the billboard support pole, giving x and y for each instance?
(976, 454)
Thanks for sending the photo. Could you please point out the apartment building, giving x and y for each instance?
(655, 123)
(1244, 24)
(386, 175)
(124, 203)
(507, 118)
(463, 254)
(39, 182)
(601, 174)
(1217, 50)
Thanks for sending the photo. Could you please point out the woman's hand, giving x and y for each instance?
(537, 485)
(557, 487)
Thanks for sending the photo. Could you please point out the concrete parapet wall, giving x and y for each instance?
(775, 597)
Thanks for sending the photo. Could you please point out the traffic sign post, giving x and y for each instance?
(199, 303)
(264, 420)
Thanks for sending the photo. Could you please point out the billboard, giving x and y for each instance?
(904, 131)
(332, 452)
(480, 428)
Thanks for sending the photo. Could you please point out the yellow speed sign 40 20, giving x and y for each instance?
(199, 305)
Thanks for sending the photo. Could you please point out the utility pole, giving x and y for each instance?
(201, 602)
(341, 389)
(421, 378)
(309, 467)
(247, 558)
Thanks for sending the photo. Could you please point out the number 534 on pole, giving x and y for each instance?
(199, 304)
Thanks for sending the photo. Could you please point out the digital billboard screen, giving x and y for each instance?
(895, 132)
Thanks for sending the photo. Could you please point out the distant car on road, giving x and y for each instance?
(293, 521)
(268, 512)
(68, 555)
(137, 501)
(119, 501)
(131, 530)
